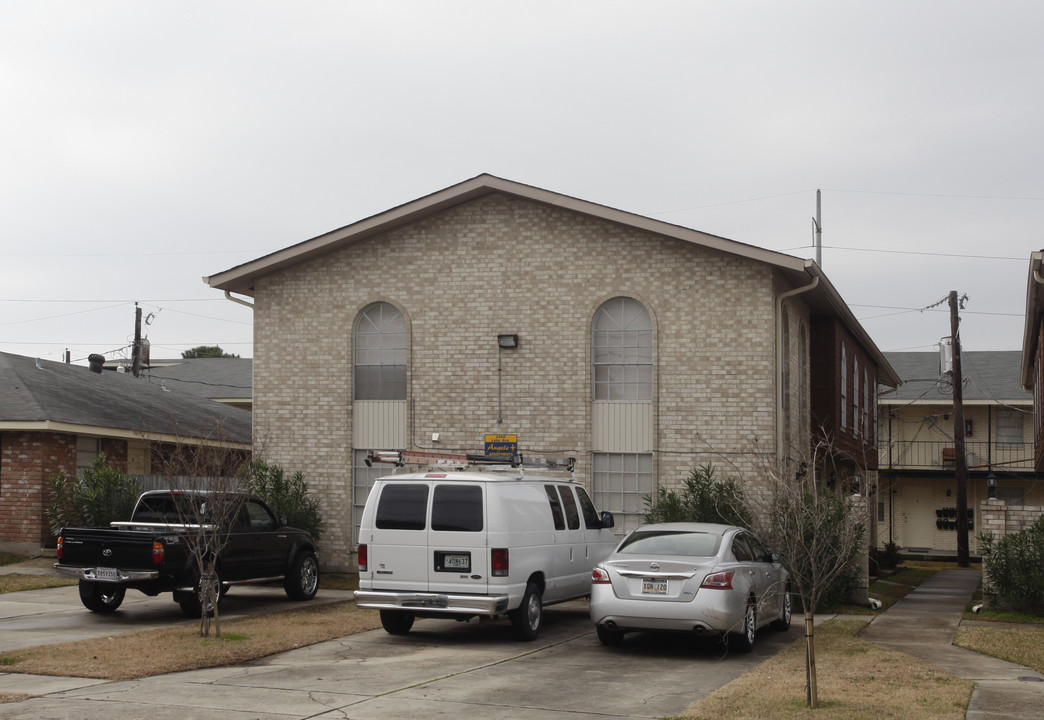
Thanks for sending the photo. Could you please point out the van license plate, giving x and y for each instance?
(456, 562)
(107, 574)
(452, 562)
(652, 586)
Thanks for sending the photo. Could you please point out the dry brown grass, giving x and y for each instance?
(1020, 644)
(857, 681)
(134, 655)
(18, 583)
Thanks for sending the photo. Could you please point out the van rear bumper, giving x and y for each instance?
(432, 602)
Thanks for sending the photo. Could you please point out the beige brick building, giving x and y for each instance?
(643, 348)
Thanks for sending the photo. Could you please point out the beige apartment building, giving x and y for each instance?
(496, 312)
(917, 495)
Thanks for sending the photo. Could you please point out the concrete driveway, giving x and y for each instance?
(442, 669)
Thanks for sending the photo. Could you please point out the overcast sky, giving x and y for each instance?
(145, 145)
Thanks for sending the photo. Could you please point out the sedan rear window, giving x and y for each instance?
(671, 543)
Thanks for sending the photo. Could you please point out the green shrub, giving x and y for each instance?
(1014, 568)
(98, 496)
(284, 495)
(703, 498)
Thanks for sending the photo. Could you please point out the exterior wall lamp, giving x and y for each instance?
(991, 486)
(508, 342)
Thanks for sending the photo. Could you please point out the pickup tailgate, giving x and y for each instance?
(110, 553)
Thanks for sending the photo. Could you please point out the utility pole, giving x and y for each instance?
(961, 468)
(136, 350)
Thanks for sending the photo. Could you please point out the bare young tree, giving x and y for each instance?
(820, 535)
(207, 499)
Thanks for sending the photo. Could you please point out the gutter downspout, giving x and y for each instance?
(779, 356)
(228, 296)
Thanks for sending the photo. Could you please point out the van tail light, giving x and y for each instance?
(157, 552)
(719, 581)
(498, 562)
(600, 576)
(363, 559)
(61, 547)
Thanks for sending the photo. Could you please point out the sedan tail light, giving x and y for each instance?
(719, 581)
(600, 576)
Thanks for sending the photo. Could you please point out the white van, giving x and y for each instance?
(466, 544)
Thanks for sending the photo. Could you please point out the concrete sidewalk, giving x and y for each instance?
(923, 624)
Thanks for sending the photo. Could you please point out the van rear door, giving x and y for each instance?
(458, 557)
(398, 548)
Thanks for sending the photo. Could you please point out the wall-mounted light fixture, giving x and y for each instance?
(991, 486)
(507, 341)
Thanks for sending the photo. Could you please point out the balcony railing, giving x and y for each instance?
(933, 455)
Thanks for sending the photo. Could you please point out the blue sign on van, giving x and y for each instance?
(501, 445)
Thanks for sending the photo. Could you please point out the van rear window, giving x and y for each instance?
(402, 507)
(457, 508)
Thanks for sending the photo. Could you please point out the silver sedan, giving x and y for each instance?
(690, 577)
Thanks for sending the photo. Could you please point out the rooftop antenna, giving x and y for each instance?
(818, 222)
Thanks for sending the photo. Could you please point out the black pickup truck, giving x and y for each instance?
(152, 553)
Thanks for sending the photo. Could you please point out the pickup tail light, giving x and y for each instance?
(719, 581)
(363, 559)
(61, 547)
(600, 576)
(498, 562)
(157, 552)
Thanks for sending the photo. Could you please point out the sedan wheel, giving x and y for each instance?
(744, 640)
(782, 623)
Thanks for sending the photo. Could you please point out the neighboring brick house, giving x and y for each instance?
(224, 380)
(56, 418)
(917, 499)
(639, 347)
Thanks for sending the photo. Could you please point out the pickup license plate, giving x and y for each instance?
(110, 574)
(651, 586)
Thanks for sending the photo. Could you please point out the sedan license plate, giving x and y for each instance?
(107, 574)
(652, 586)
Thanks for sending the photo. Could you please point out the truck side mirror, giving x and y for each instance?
(607, 519)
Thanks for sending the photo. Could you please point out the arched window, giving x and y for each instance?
(380, 353)
(621, 351)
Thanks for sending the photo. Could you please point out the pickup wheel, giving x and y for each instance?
(302, 582)
(102, 598)
(396, 622)
(192, 602)
(529, 618)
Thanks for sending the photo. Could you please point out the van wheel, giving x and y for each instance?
(101, 598)
(396, 622)
(528, 619)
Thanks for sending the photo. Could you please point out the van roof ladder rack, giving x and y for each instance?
(463, 460)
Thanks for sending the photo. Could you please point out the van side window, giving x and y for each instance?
(572, 513)
(457, 508)
(591, 519)
(556, 506)
(402, 507)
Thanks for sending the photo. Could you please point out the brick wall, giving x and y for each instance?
(1003, 520)
(501, 264)
(27, 460)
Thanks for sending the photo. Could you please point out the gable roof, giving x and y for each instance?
(991, 377)
(215, 378)
(823, 298)
(46, 395)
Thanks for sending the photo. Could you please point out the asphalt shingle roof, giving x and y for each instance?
(990, 376)
(73, 394)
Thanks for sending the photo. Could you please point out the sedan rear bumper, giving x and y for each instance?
(432, 602)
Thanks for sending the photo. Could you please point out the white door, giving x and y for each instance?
(918, 517)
